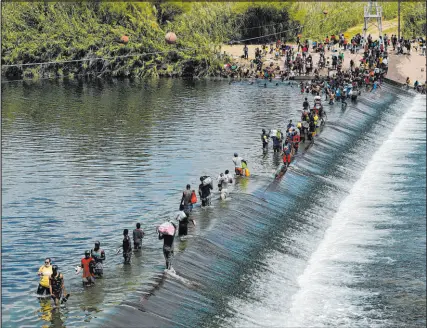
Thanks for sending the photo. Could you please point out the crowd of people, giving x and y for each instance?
(342, 85)
(298, 59)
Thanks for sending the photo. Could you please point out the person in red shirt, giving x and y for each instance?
(295, 142)
(88, 267)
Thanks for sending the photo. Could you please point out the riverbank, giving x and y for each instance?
(400, 66)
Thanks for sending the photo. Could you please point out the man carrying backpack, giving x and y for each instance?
(186, 205)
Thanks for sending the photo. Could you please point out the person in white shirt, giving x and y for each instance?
(223, 181)
(237, 164)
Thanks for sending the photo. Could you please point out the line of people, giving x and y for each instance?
(91, 265)
(311, 119)
(167, 230)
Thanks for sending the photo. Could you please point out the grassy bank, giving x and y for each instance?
(40, 32)
(45, 32)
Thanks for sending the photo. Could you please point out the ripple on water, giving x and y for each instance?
(109, 160)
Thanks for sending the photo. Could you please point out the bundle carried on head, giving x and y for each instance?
(207, 180)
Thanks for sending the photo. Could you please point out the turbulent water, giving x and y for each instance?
(339, 241)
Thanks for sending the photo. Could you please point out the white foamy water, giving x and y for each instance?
(324, 294)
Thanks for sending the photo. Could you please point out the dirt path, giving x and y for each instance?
(400, 66)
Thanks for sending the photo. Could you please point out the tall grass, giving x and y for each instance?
(35, 32)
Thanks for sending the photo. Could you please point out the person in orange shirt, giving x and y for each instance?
(88, 267)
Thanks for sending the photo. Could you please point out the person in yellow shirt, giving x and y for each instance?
(44, 272)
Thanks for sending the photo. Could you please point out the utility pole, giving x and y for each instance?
(372, 12)
(398, 19)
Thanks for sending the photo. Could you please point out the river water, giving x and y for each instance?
(339, 241)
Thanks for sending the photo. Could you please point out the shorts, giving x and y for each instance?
(224, 193)
(168, 254)
(43, 290)
(136, 245)
(88, 280)
(127, 256)
(56, 295)
(99, 269)
(188, 208)
(206, 201)
(238, 170)
(287, 158)
(182, 228)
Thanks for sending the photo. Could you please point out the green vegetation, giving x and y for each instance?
(389, 28)
(45, 32)
(413, 19)
(36, 32)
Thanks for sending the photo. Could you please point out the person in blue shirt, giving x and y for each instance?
(375, 85)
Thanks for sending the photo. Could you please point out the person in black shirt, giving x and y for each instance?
(127, 247)
(305, 104)
(264, 138)
(183, 220)
(205, 191)
(56, 285)
(168, 247)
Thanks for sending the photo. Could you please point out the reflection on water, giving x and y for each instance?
(84, 160)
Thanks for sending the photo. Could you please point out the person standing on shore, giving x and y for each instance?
(245, 52)
(408, 82)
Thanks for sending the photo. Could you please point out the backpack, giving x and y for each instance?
(193, 197)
